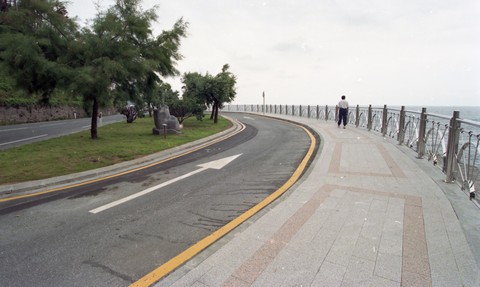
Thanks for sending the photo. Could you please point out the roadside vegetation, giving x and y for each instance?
(117, 59)
(78, 152)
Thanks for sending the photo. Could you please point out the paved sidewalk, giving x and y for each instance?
(367, 213)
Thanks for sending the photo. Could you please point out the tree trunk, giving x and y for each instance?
(93, 128)
(215, 111)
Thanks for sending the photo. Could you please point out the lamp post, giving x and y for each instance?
(263, 95)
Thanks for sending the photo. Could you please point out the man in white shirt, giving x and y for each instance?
(342, 112)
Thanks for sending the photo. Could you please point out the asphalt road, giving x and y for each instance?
(58, 241)
(16, 135)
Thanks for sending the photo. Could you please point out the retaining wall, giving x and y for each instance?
(20, 115)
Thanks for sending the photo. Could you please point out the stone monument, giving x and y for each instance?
(164, 122)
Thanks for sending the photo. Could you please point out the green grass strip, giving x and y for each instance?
(77, 152)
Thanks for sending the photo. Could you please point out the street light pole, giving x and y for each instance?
(263, 95)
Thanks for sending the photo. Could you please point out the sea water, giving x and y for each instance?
(466, 113)
(470, 134)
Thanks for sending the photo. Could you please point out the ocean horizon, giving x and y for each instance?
(467, 113)
(471, 113)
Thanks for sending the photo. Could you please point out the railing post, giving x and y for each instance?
(300, 110)
(384, 120)
(452, 146)
(336, 113)
(286, 110)
(326, 112)
(293, 110)
(357, 116)
(318, 112)
(401, 126)
(421, 134)
(369, 119)
(308, 113)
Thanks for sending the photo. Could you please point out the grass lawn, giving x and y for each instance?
(77, 152)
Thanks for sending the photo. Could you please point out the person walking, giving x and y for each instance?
(342, 112)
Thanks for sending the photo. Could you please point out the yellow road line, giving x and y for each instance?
(190, 252)
(121, 173)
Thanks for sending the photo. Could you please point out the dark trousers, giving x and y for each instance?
(342, 116)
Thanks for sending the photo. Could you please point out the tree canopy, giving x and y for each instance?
(34, 36)
(119, 57)
(213, 91)
(115, 59)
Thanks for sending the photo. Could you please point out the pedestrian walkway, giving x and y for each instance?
(367, 213)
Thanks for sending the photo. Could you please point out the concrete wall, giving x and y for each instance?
(13, 115)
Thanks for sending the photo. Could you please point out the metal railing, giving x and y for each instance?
(449, 142)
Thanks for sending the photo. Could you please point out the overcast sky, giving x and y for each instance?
(309, 52)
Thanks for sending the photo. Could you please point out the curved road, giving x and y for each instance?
(73, 237)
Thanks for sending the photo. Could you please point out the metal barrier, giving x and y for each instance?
(449, 142)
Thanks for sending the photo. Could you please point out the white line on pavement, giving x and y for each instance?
(9, 130)
(216, 164)
(22, 140)
(51, 125)
(148, 190)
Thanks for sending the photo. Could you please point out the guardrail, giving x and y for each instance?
(449, 142)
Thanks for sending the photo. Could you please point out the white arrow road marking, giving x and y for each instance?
(216, 164)
(249, 118)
